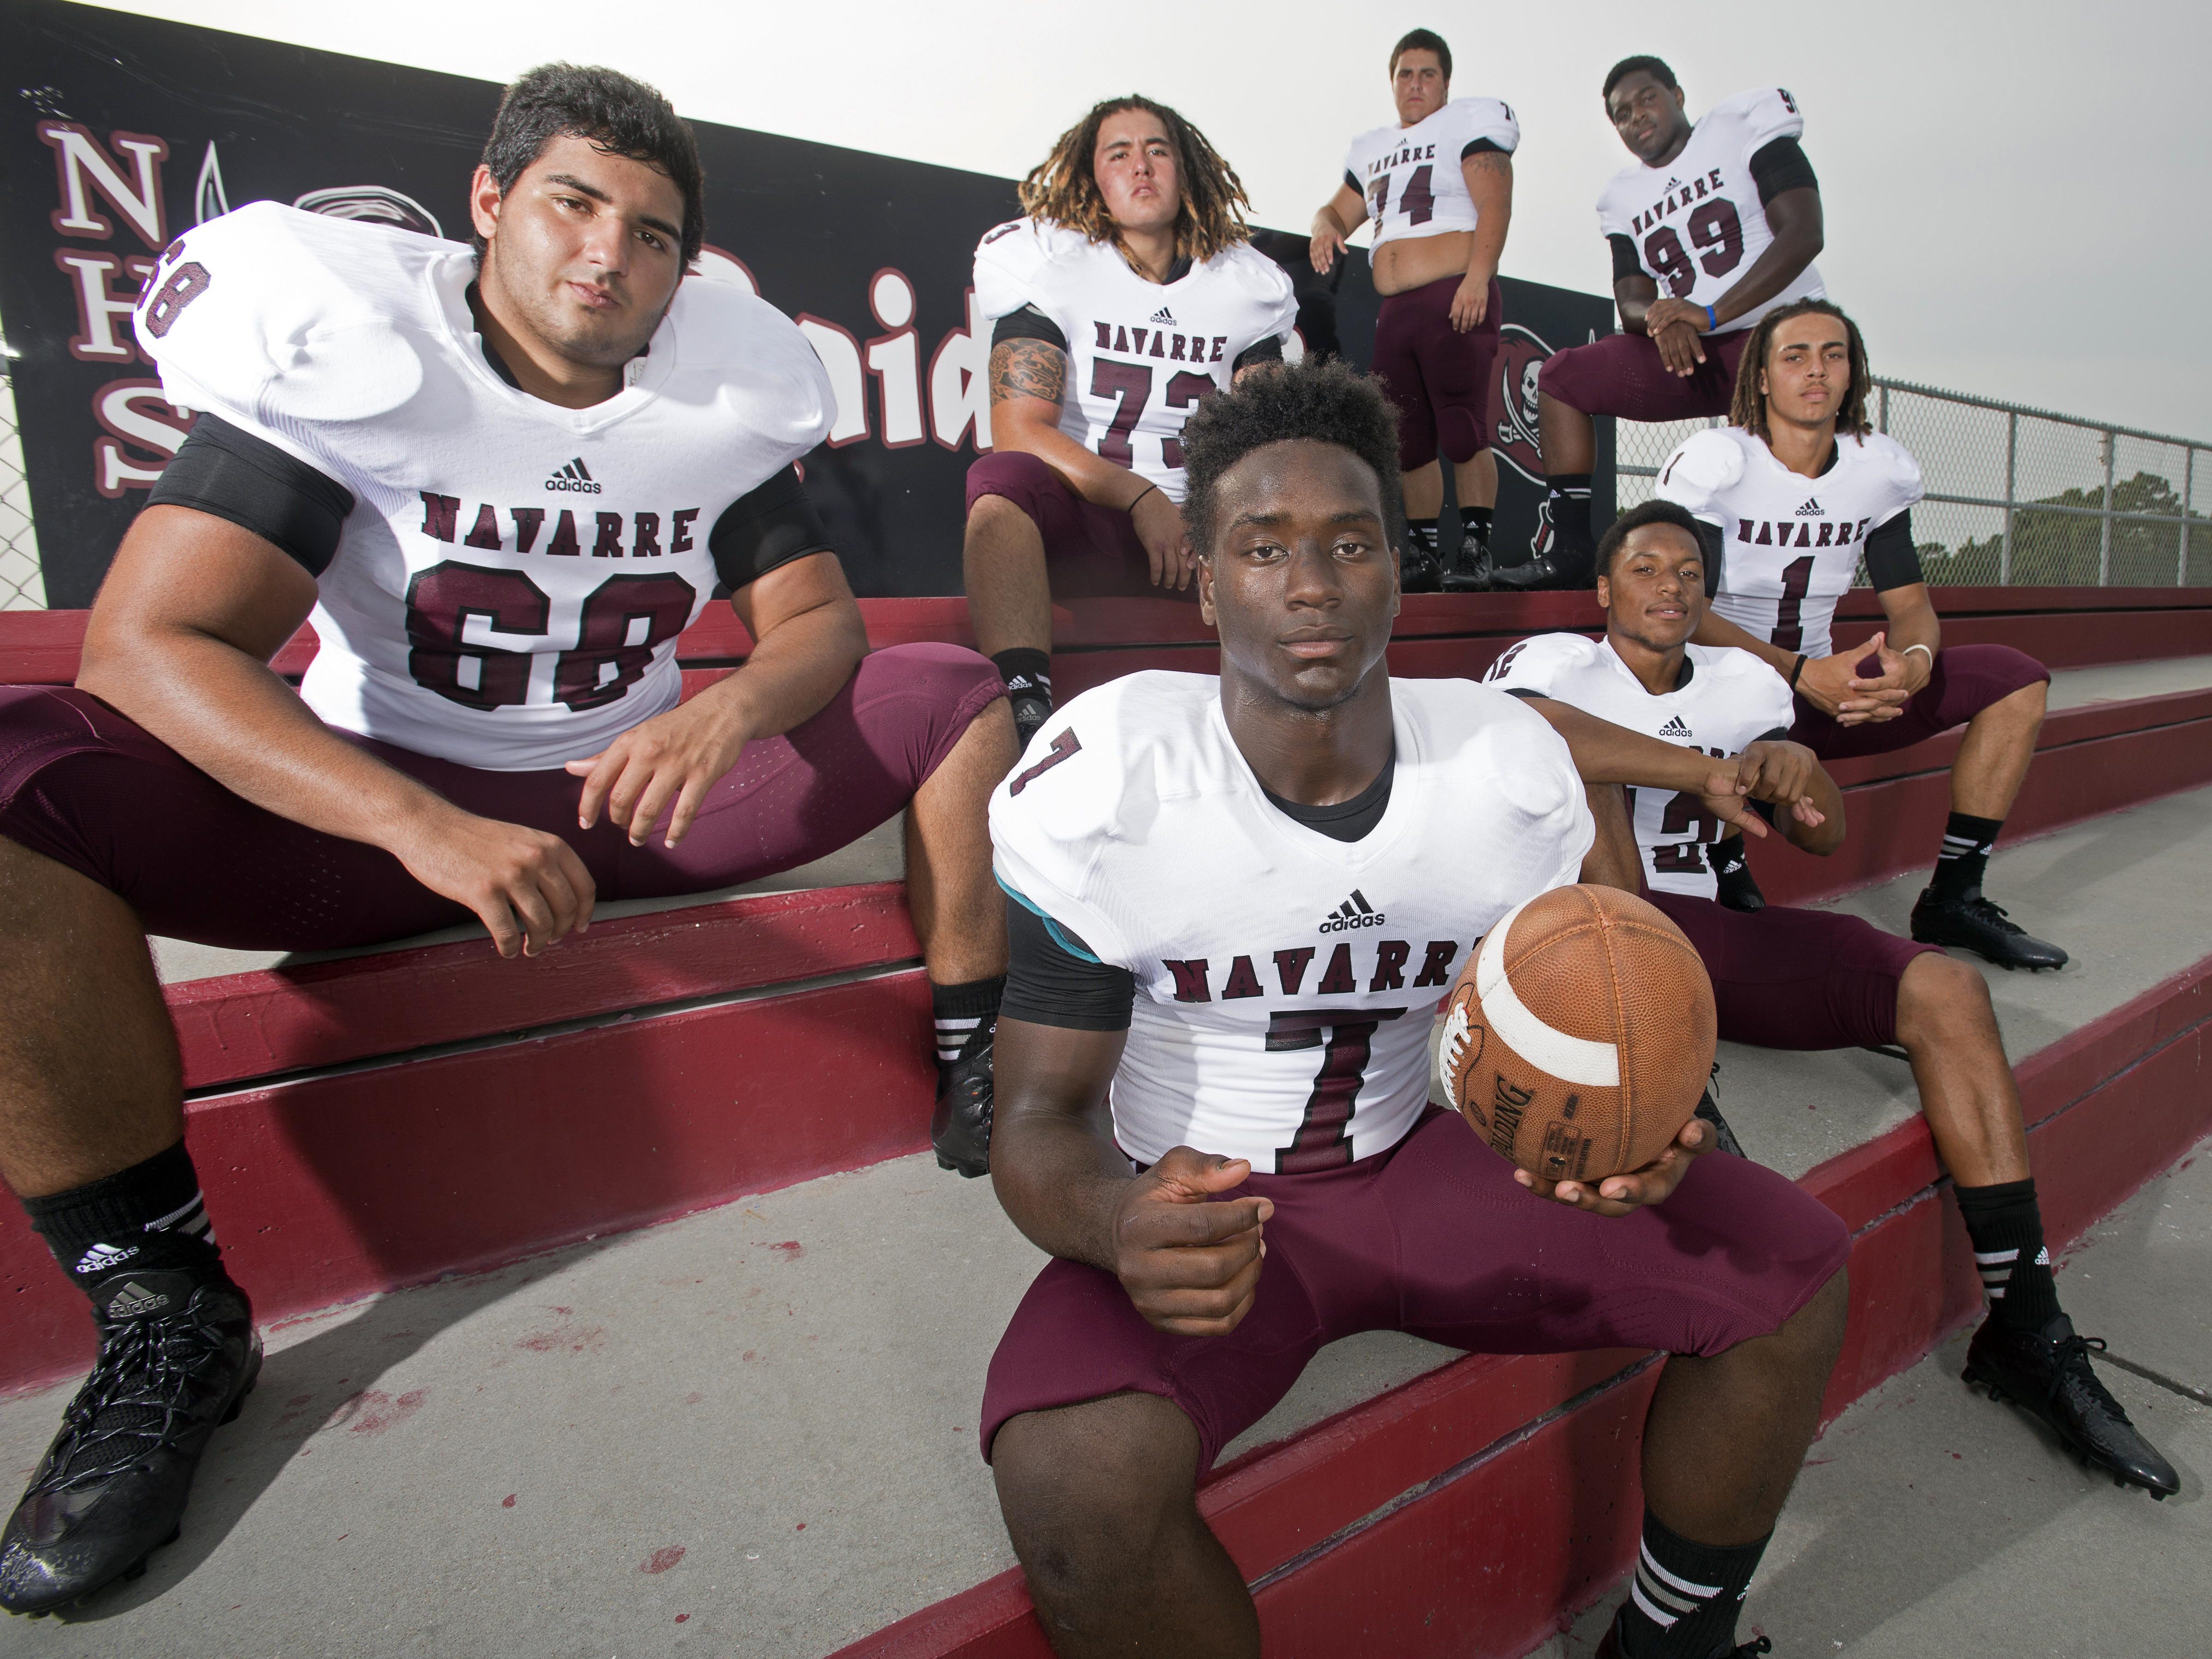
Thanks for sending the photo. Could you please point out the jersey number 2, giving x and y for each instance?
(622, 622)
(1324, 1138)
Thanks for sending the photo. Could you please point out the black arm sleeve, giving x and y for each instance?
(1709, 539)
(1892, 560)
(1028, 323)
(1476, 145)
(1781, 166)
(769, 524)
(233, 475)
(1353, 185)
(1047, 984)
(1626, 260)
(1269, 350)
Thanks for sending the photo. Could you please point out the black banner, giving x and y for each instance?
(129, 129)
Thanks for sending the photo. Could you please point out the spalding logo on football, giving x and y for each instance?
(1580, 1033)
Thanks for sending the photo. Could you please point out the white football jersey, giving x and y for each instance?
(1698, 223)
(1726, 699)
(1285, 983)
(1141, 354)
(1790, 543)
(1411, 176)
(507, 589)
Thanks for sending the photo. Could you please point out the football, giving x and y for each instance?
(1580, 1034)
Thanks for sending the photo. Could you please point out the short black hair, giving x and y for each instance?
(1423, 40)
(613, 113)
(1652, 512)
(1328, 401)
(1641, 64)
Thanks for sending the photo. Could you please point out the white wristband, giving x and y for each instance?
(1923, 650)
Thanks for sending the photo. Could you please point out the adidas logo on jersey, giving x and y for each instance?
(1811, 509)
(133, 1299)
(1164, 317)
(1675, 728)
(574, 477)
(1354, 912)
(100, 1257)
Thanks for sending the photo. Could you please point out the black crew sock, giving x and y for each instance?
(966, 1015)
(149, 1218)
(1475, 524)
(1425, 531)
(1568, 496)
(2006, 1226)
(1965, 855)
(1025, 672)
(1684, 1599)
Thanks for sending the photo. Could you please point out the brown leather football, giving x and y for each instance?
(1580, 1034)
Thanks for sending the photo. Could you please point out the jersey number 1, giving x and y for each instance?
(1324, 1138)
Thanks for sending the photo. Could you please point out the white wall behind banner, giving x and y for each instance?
(2014, 191)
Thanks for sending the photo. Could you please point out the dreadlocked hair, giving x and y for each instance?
(1326, 400)
(1749, 411)
(1063, 190)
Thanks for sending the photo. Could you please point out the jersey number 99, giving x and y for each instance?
(1718, 235)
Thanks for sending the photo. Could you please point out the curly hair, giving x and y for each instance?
(1748, 410)
(1641, 64)
(611, 113)
(1328, 401)
(1063, 188)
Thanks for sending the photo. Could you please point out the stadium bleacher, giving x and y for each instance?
(683, 1057)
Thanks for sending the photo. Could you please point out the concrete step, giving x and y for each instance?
(815, 1356)
(1929, 1520)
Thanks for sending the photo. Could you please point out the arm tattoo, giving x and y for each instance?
(1491, 160)
(1028, 368)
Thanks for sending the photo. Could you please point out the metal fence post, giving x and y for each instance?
(2188, 495)
(2012, 452)
(2104, 524)
(1881, 419)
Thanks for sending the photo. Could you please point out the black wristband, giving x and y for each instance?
(1798, 670)
(1140, 495)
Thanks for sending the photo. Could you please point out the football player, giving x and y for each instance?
(1792, 494)
(1817, 979)
(1723, 215)
(1130, 291)
(1438, 184)
(1236, 904)
(500, 481)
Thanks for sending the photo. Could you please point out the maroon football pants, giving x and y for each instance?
(94, 791)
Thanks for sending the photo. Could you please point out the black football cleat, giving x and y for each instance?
(1536, 576)
(2047, 1375)
(178, 1356)
(1031, 708)
(1469, 571)
(960, 1128)
(1419, 570)
(1609, 1645)
(1737, 889)
(1971, 922)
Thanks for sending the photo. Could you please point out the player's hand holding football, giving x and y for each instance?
(528, 888)
(1159, 524)
(1620, 1194)
(675, 757)
(1190, 1265)
(1471, 302)
(1781, 772)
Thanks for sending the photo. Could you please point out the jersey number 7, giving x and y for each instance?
(1324, 1138)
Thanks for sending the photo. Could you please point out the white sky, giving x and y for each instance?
(2016, 194)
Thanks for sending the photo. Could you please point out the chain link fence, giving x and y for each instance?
(2017, 494)
(22, 587)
